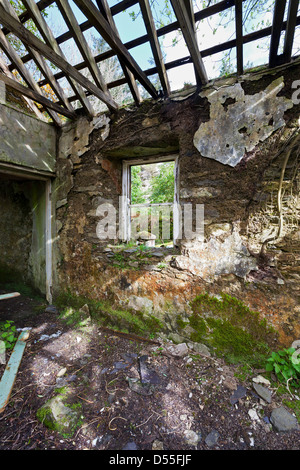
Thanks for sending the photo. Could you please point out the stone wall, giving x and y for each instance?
(16, 232)
(22, 232)
(25, 140)
(232, 140)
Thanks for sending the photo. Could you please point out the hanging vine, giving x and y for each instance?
(289, 147)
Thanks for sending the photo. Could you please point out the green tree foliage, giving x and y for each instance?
(29, 24)
(162, 185)
(137, 192)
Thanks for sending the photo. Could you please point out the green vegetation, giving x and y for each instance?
(137, 194)
(103, 314)
(294, 406)
(60, 416)
(230, 329)
(8, 334)
(161, 183)
(286, 365)
(154, 184)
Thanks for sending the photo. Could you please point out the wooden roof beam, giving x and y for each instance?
(33, 95)
(290, 30)
(50, 40)
(26, 75)
(155, 46)
(190, 38)
(32, 41)
(190, 11)
(81, 42)
(278, 16)
(42, 4)
(4, 70)
(239, 36)
(106, 12)
(42, 64)
(104, 28)
(199, 15)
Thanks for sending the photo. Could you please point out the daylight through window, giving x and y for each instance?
(151, 193)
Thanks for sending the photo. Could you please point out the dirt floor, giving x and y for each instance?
(132, 394)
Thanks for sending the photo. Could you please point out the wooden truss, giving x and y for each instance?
(47, 49)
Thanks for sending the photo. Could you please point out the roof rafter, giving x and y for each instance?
(25, 74)
(185, 24)
(155, 46)
(81, 42)
(4, 71)
(106, 12)
(239, 35)
(278, 16)
(50, 40)
(32, 94)
(290, 30)
(191, 15)
(103, 27)
(30, 40)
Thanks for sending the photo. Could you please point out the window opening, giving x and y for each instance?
(150, 190)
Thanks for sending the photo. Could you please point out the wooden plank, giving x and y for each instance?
(11, 370)
(42, 4)
(205, 53)
(81, 42)
(200, 15)
(290, 30)
(45, 69)
(239, 35)
(103, 27)
(7, 72)
(23, 71)
(51, 42)
(29, 39)
(278, 16)
(191, 15)
(190, 38)
(130, 80)
(9, 296)
(155, 46)
(37, 97)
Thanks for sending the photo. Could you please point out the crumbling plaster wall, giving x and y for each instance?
(25, 140)
(235, 178)
(27, 151)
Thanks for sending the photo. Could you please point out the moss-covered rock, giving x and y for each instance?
(230, 329)
(102, 313)
(57, 415)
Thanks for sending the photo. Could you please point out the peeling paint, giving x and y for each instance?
(239, 126)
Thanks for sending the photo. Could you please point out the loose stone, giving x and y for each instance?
(282, 420)
(212, 438)
(263, 392)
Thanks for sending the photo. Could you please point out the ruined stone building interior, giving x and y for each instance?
(99, 100)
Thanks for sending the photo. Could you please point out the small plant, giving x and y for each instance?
(286, 366)
(7, 333)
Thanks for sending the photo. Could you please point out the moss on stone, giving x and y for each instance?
(227, 325)
(59, 416)
(104, 314)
